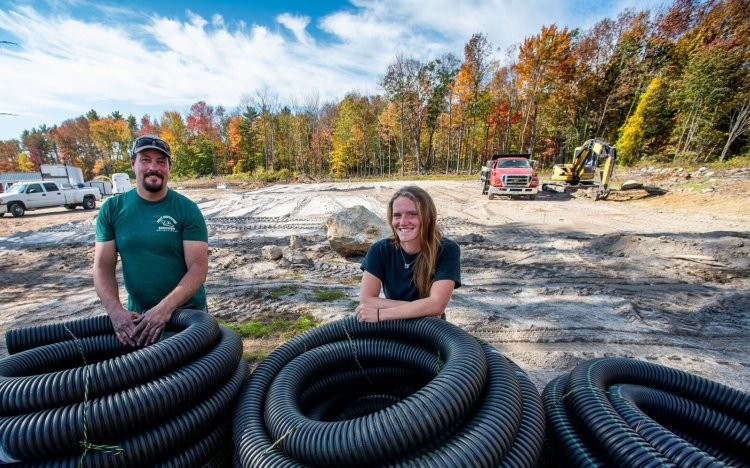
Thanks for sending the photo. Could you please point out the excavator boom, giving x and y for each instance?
(582, 171)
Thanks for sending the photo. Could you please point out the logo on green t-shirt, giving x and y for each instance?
(167, 223)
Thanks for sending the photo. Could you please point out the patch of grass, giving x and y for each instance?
(301, 325)
(277, 294)
(736, 162)
(277, 328)
(252, 329)
(254, 356)
(324, 295)
(697, 186)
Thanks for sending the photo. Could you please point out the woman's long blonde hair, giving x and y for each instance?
(429, 235)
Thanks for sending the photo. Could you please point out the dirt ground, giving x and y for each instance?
(660, 275)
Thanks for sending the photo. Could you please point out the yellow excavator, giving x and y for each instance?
(582, 171)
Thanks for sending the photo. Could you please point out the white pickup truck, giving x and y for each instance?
(33, 195)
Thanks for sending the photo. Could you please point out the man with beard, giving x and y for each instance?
(162, 240)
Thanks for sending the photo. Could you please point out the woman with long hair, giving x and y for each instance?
(417, 268)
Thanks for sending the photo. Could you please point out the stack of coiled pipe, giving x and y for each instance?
(409, 392)
(72, 395)
(625, 412)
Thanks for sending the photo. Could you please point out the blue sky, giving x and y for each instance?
(71, 56)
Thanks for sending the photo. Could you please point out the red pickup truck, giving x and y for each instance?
(510, 174)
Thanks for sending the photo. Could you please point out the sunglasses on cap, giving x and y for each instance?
(150, 142)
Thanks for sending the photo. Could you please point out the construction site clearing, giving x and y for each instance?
(659, 273)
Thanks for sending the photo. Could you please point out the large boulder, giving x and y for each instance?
(271, 252)
(631, 185)
(351, 231)
(295, 258)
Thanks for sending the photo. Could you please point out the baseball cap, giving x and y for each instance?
(150, 142)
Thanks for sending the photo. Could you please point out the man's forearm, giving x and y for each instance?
(184, 290)
(105, 284)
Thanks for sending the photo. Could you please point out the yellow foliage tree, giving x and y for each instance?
(345, 138)
(631, 139)
(24, 163)
(173, 129)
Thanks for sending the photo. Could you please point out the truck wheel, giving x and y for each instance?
(16, 210)
(89, 203)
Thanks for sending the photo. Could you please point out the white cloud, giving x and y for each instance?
(65, 66)
(298, 26)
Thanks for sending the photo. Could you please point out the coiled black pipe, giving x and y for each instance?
(410, 392)
(168, 403)
(625, 412)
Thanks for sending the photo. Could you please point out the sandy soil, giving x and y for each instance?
(549, 282)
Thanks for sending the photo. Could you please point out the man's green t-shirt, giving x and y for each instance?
(148, 236)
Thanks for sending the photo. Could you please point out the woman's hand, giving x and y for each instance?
(367, 313)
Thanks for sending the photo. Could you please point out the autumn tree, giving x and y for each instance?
(442, 74)
(389, 131)
(39, 147)
(633, 133)
(399, 84)
(505, 111)
(9, 151)
(112, 138)
(173, 129)
(24, 163)
(149, 126)
(712, 90)
(75, 145)
(347, 136)
(315, 133)
(545, 64)
(416, 105)
(245, 141)
(471, 82)
(267, 103)
(201, 120)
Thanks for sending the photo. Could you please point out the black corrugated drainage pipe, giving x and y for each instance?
(409, 392)
(625, 412)
(71, 395)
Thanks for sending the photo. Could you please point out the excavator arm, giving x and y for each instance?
(582, 170)
(606, 173)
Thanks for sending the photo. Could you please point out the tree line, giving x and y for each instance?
(667, 86)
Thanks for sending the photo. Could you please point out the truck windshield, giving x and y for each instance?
(16, 188)
(511, 163)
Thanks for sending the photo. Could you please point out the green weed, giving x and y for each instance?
(324, 295)
(277, 328)
(254, 356)
(697, 186)
(277, 294)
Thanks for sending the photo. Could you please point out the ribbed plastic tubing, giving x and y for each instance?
(401, 393)
(631, 413)
(72, 395)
